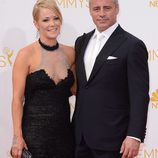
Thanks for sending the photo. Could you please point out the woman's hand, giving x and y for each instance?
(17, 146)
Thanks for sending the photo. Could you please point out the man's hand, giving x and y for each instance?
(130, 148)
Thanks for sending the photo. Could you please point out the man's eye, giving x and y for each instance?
(95, 9)
(107, 8)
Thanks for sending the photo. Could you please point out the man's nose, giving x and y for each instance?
(102, 13)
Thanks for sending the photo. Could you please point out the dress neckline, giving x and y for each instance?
(47, 47)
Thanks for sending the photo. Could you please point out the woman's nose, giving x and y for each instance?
(52, 22)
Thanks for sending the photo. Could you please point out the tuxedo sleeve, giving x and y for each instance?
(138, 84)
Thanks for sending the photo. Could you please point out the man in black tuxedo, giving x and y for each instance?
(112, 87)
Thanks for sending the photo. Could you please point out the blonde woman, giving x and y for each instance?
(42, 79)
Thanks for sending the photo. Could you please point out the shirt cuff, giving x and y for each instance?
(134, 138)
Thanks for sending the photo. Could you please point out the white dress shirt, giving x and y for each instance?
(97, 40)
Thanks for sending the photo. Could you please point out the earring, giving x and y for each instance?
(37, 34)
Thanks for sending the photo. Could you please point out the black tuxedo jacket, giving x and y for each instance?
(113, 103)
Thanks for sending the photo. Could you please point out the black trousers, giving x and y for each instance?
(83, 151)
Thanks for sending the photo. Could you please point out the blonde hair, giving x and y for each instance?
(49, 4)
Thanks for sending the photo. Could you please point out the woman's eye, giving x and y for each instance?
(45, 20)
(56, 18)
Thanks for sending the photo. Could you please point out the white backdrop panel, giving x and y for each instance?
(17, 30)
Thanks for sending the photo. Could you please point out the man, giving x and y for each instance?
(113, 83)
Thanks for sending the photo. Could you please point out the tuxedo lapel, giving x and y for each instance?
(113, 43)
(80, 60)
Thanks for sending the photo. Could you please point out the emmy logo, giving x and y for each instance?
(72, 3)
(153, 55)
(153, 153)
(154, 99)
(145, 152)
(153, 3)
(5, 57)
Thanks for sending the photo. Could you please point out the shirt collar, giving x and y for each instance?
(107, 33)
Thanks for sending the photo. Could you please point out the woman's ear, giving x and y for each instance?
(36, 24)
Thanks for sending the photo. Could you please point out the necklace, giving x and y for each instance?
(48, 48)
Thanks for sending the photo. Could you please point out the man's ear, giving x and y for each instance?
(118, 9)
(90, 9)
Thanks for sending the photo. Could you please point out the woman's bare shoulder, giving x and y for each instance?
(26, 54)
(27, 50)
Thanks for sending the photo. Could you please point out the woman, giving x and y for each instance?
(42, 78)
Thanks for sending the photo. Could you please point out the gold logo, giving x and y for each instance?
(146, 152)
(73, 3)
(151, 153)
(154, 99)
(153, 3)
(6, 57)
(153, 55)
(154, 96)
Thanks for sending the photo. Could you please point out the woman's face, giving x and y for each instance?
(48, 24)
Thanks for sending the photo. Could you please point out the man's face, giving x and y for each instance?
(104, 13)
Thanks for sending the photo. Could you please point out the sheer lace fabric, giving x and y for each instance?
(55, 64)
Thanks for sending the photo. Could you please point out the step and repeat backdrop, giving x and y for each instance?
(138, 17)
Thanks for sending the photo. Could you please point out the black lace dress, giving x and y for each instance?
(46, 116)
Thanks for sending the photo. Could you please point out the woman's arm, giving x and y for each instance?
(20, 71)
